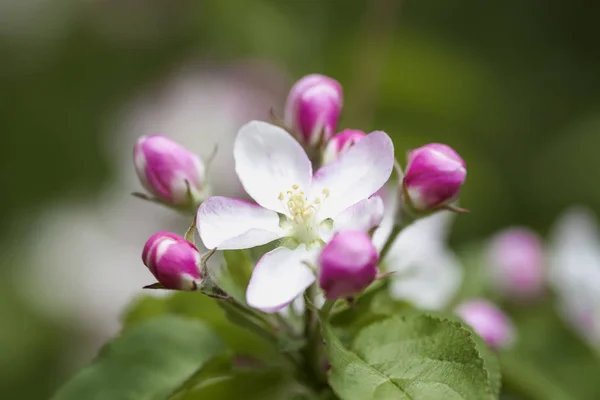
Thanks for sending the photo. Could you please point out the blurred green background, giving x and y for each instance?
(513, 85)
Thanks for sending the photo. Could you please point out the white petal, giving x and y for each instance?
(269, 161)
(279, 277)
(226, 223)
(427, 273)
(425, 233)
(355, 176)
(575, 259)
(429, 280)
(363, 216)
(389, 195)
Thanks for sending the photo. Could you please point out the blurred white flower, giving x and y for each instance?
(574, 260)
(427, 273)
(86, 257)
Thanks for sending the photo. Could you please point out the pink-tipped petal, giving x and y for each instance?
(279, 277)
(363, 216)
(389, 195)
(355, 176)
(341, 143)
(226, 223)
(270, 162)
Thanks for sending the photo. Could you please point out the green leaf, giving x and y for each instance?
(198, 306)
(148, 362)
(490, 362)
(490, 359)
(247, 385)
(408, 357)
(234, 276)
(372, 306)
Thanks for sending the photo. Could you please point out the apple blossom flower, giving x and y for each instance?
(313, 108)
(293, 204)
(488, 321)
(433, 176)
(169, 171)
(574, 271)
(340, 144)
(347, 264)
(173, 261)
(516, 263)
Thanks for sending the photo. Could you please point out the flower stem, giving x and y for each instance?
(390, 241)
(326, 310)
(314, 343)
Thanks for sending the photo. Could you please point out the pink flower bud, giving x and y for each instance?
(516, 262)
(434, 175)
(173, 261)
(165, 166)
(488, 321)
(313, 108)
(348, 264)
(341, 143)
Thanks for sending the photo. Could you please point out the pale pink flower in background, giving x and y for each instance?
(489, 322)
(516, 264)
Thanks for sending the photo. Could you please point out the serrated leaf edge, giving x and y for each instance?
(461, 328)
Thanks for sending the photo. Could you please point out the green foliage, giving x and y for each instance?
(198, 306)
(249, 385)
(409, 357)
(233, 277)
(548, 361)
(373, 305)
(148, 362)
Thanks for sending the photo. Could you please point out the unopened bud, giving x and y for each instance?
(341, 143)
(169, 171)
(488, 321)
(348, 264)
(516, 262)
(313, 108)
(434, 176)
(173, 261)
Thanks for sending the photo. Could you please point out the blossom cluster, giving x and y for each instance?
(318, 200)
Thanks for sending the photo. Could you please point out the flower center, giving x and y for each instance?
(301, 216)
